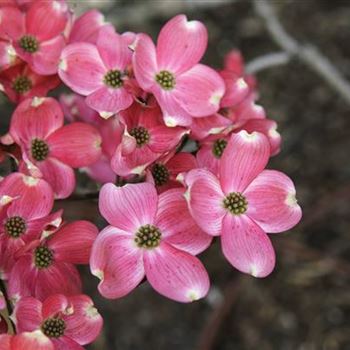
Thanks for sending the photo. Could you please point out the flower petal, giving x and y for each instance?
(204, 197)
(246, 246)
(76, 144)
(117, 262)
(199, 91)
(35, 118)
(29, 190)
(45, 61)
(12, 24)
(181, 44)
(85, 323)
(244, 158)
(66, 343)
(272, 203)
(59, 175)
(113, 49)
(28, 314)
(183, 234)
(81, 68)
(176, 274)
(164, 139)
(53, 305)
(130, 206)
(145, 62)
(72, 243)
(109, 100)
(60, 278)
(32, 341)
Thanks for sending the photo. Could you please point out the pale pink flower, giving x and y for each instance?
(183, 88)
(99, 71)
(146, 238)
(54, 148)
(46, 266)
(66, 322)
(145, 139)
(244, 202)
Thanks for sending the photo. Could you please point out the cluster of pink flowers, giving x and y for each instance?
(179, 148)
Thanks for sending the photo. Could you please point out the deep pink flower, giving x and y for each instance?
(146, 238)
(183, 88)
(25, 341)
(65, 322)
(244, 203)
(164, 171)
(146, 138)
(99, 71)
(37, 35)
(20, 82)
(25, 203)
(46, 266)
(37, 126)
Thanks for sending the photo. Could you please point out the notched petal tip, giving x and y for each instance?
(37, 101)
(99, 274)
(291, 200)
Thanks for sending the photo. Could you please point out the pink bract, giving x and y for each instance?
(182, 87)
(147, 239)
(244, 202)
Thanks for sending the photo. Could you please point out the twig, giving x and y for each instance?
(307, 54)
(211, 330)
(267, 61)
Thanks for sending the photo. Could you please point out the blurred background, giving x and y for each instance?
(305, 303)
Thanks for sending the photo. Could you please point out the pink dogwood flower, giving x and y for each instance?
(37, 126)
(183, 88)
(146, 238)
(61, 321)
(46, 266)
(99, 71)
(145, 139)
(244, 203)
(37, 35)
(20, 82)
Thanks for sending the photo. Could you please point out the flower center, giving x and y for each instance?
(113, 79)
(235, 203)
(53, 327)
(160, 174)
(141, 135)
(43, 257)
(29, 43)
(147, 236)
(219, 147)
(22, 84)
(166, 80)
(15, 226)
(40, 149)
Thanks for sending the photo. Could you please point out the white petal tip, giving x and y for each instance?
(249, 137)
(106, 115)
(291, 200)
(170, 121)
(187, 196)
(99, 274)
(30, 181)
(193, 295)
(63, 65)
(91, 312)
(216, 98)
(241, 84)
(5, 200)
(273, 133)
(254, 271)
(2, 88)
(37, 101)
